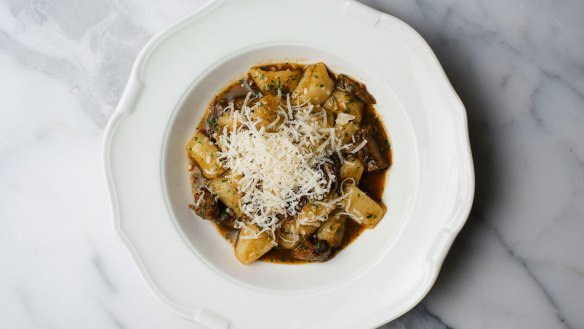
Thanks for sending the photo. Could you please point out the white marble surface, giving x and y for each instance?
(517, 65)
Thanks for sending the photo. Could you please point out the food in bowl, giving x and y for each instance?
(289, 163)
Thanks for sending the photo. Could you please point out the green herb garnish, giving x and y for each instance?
(213, 122)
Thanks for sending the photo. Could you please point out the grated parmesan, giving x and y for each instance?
(344, 118)
(359, 147)
(279, 166)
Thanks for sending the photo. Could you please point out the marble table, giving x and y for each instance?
(517, 65)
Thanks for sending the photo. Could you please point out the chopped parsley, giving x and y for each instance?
(270, 85)
(213, 122)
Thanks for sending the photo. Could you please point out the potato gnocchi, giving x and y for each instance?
(289, 163)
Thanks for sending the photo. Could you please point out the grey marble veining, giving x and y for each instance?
(519, 68)
(517, 65)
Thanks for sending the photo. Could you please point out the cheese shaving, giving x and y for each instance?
(198, 201)
(344, 118)
(359, 147)
(279, 166)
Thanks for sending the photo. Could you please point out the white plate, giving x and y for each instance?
(429, 190)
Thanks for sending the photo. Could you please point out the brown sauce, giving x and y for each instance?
(372, 183)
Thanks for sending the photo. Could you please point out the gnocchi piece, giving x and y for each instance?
(315, 86)
(272, 81)
(367, 211)
(351, 168)
(307, 222)
(292, 232)
(314, 211)
(342, 102)
(226, 120)
(226, 190)
(287, 236)
(206, 155)
(322, 120)
(326, 119)
(333, 230)
(330, 119)
(266, 111)
(250, 246)
(346, 132)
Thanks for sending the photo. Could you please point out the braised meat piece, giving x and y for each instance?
(318, 251)
(371, 154)
(205, 204)
(331, 169)
(211, 122)
(225, 217)
(210, 208)
(351, 86)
